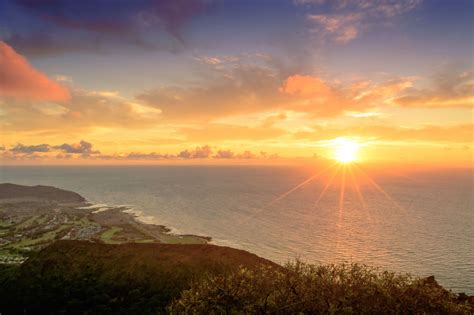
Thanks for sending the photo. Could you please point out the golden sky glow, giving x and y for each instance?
(339, 83)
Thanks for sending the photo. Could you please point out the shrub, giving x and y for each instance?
(309, 289)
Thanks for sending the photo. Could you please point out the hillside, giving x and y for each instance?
(79, 253)
(78, 277)
(13, 191)
(75, 276)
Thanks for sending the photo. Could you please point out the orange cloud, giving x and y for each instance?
(242, 89)
(305, 86)
(315, 96)
(19, 80)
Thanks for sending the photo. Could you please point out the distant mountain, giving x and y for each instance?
(13, 191)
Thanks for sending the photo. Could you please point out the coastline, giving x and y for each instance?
(140, 217)
(101, 223)
(31, 219)
(149, 222)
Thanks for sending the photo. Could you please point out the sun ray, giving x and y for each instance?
(357, 189)
(379, 188)
(328, 184)
(326, 187)
(282, 196)
(360, 196)
(343, 189)
(310, 179)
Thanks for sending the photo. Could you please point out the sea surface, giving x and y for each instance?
(422, 223)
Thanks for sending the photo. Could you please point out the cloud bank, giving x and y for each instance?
(83, 150)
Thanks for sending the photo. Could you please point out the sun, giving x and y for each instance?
(345, 150)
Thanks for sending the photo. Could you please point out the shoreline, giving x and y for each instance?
(148, 220)
(42, 221)
(31, 219)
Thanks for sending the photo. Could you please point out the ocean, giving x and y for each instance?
(422, 223)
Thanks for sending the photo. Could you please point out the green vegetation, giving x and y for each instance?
(4, 224)
(83, 277)
(40, 239)
(181, 239)
(308, 289)
(30, 225)
(75, 277)
(108, 236)
(9, 257)
(33, 217)
(26, 223)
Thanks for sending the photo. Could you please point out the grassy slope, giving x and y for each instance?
(108, 235)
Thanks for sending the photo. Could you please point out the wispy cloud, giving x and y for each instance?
(449, 90)
(346, 20)
(103, 25)
(85, 110)
(320, 98)
(240, 89)
(245, 89)
(343, 28)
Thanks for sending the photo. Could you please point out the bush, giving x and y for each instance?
(78, 277)
(309, 289)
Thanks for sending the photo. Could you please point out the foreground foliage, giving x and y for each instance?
(308, 289)
(76, 277)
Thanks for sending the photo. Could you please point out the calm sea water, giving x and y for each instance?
(422, 223)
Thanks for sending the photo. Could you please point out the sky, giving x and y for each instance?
(177, 81)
